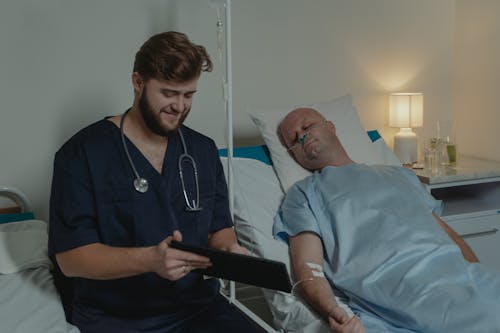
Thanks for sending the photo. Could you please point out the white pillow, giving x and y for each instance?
(341, 112)
(385, 153)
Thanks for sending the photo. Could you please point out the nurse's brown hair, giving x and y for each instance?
(171, 56)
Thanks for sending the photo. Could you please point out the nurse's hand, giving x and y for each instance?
(173, 264)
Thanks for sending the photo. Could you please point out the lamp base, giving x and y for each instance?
(405, 146)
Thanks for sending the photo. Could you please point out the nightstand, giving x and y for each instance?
(470, 191)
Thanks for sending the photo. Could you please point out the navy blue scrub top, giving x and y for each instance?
(93, 200)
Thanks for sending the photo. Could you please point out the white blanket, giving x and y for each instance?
(29, 302)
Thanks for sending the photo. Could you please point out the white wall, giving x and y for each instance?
(66, 63)
(366, 48)
(63, 64)
(477, 78)
(293, 51)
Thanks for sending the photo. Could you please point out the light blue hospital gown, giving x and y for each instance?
(385, 251)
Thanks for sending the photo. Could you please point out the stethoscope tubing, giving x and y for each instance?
(141, 184)
(195, 205)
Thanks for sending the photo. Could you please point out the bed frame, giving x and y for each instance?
(18, 197)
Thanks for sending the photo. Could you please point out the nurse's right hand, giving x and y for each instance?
(173, 264)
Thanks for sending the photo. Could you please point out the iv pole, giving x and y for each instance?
(228, 97)
(224, 44)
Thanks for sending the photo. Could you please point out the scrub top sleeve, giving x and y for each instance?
(222, 215)
(295, 214)
(72, 209)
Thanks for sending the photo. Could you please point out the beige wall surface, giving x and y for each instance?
(65, 64)
(289, 52)
(477, 78)
(368, 49)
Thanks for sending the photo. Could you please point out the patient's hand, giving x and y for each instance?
(339, 322)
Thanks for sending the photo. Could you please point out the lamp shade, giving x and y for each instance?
(406, 110)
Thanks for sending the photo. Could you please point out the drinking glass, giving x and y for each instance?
(446, 134)
(432, 153)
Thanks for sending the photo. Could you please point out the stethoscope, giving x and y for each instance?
(141, 184)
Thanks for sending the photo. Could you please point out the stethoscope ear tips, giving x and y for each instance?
(141, 185)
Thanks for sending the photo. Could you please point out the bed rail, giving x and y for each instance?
(17, 196)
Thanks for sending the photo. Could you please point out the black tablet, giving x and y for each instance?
(256, 271)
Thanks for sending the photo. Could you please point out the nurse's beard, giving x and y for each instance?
(152, 121)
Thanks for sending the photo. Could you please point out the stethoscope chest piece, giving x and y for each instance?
(141, 185)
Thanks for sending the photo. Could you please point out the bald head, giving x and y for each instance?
(292, 118)
(311, 139)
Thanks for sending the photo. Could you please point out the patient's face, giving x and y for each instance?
(306, 134)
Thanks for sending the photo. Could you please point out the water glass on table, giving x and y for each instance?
(446, 138)
(432, 155)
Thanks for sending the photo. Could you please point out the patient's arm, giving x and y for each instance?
(466, 250)
(307, 248)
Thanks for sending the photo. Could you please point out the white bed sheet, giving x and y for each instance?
(29, 301)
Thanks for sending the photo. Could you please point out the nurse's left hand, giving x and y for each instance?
(173, 264)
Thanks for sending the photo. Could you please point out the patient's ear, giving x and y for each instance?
(280, 136)
(283, 143)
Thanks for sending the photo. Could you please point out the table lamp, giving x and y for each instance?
(406, 112)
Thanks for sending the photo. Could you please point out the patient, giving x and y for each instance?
(375, 232)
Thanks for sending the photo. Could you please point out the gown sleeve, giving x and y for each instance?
(297, 211)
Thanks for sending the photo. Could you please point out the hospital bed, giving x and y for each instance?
(29, 301)
(260, 177)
